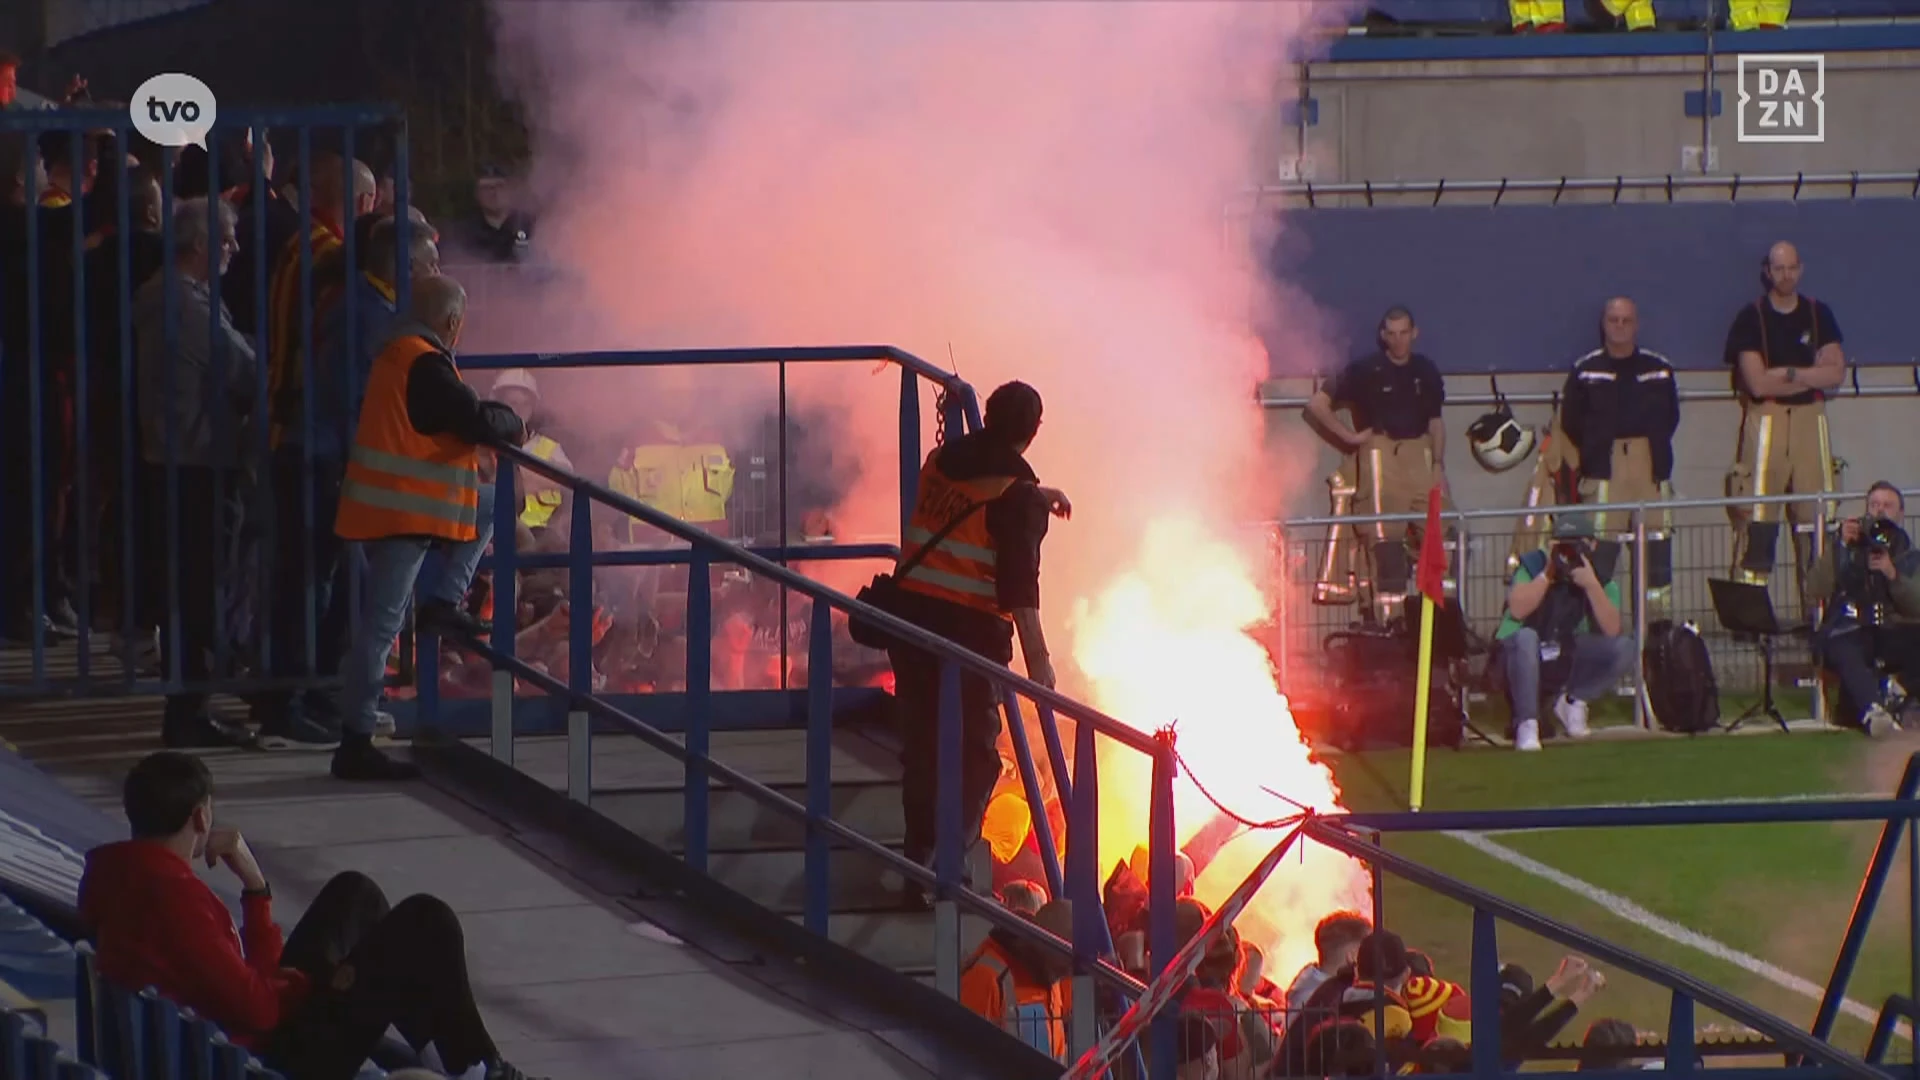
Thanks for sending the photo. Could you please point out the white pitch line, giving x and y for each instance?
(1746, 800)
(1666, 928)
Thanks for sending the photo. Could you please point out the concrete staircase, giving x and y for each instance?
(757, 851)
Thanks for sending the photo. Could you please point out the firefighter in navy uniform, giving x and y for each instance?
(1620, 411)
(1786, 353)
(1395, 397)
(978, 587)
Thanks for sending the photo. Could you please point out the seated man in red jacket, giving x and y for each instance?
(314, 1008)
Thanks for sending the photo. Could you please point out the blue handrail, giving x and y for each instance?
(1091, 946)
(1485, 965)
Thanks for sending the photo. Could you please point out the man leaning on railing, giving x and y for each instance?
(413, 483)
(1869, 575)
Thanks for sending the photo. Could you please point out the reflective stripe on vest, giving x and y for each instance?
(398, 481)
(540, 504)
(1029, 1020)
(961, 567)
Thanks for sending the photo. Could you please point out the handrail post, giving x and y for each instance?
(1819, 613)
(1284, 632)
(819, 765)
(1162, 888)
(1871, 886)
(580, 652)
(1680, 1050)
(1056, 754)
(1642, 705)
(699, 699)
(947, 853)
(1036, 796)
(1484, 994)
(1083, 882)
(909, 444)
(506, 606)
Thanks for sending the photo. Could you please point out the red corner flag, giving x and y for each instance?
(1433, 553)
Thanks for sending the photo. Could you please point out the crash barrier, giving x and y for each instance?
(1479, 570)
(113, 527)
(1360, 836)
(27, 1053)
(697, 712)
(1690, 265)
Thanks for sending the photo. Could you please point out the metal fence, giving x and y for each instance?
(1481, 574)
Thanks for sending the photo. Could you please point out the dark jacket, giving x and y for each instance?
(440, 403)
(1607, 399)
(1841, 569)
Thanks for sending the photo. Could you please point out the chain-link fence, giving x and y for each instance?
(1481, 545)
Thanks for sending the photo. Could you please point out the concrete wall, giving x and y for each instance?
(1578, 116)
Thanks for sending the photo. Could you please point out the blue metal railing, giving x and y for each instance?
(63, 376)
(1091, 946)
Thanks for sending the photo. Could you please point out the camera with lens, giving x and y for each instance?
(1563, 557)
(1881, 537)
(1863, 595)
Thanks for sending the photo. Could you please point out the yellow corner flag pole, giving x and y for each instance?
(1422, 684)
(1432, 582)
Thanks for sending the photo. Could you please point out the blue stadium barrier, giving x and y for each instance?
(27, 1054)
(97, 524)
(1690, 265)
(33, 959)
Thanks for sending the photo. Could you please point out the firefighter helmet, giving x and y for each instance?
(1499, 442)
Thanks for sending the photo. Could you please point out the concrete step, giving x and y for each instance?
(624, 763)
(737, 821)
(856, 881)
(900, 940)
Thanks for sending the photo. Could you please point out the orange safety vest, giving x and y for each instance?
(1035, 1014)
(400, 482)
(960, 568)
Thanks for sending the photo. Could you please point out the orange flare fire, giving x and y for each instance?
(1167, 642)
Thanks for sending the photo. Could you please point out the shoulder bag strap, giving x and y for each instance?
(924, 549)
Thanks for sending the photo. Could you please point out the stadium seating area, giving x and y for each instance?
(1492, 15)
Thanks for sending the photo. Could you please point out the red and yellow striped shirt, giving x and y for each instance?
(284, 329)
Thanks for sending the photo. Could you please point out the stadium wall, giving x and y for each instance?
(1424, 109)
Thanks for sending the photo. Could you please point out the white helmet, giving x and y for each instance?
(516, 379)
(1499, 442)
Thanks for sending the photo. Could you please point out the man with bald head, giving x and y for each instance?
(1786, 353)
(412, 484)
(1620, 409)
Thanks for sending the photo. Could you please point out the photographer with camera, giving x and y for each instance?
(1870, 577)
(1563, 620)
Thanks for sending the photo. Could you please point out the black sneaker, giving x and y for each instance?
(203, 733)
(448, 621)
(298, 732)
(359, 759)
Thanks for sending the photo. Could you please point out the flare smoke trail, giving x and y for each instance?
(1039, 185)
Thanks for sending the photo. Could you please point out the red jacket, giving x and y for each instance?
(155, 923)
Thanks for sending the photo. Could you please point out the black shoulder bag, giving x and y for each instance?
(884, 591)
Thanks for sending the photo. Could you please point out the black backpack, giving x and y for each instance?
(1681, 689)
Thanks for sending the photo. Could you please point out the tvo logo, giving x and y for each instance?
(173, 110)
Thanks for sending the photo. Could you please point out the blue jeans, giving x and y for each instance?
(1596, 666)
(393, 569)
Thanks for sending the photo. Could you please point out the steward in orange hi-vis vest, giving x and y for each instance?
(960, 568)
(400, 482)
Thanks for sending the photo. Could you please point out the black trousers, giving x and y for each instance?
(292, 539)
(372, 968)
(17, 566)
(1851, 656)
(204, 534)
(916, 678)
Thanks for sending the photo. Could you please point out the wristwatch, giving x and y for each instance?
(265, 891)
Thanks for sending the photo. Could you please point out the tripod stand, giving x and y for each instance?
(1746, 610)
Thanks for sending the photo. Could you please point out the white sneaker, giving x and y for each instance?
(1879, 722)
(1573, 716)
(1526, 736)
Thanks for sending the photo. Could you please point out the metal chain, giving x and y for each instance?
(940, 418)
